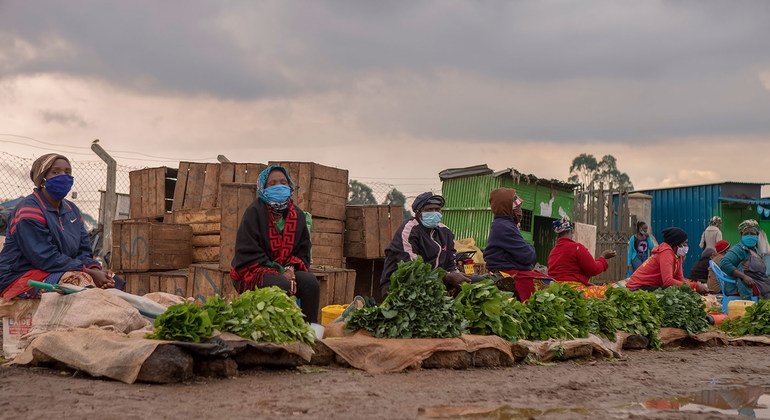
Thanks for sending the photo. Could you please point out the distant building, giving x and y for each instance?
(691, 208)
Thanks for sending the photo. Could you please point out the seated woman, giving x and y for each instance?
(272, 246)
(572, 263)
(46, 239)
(664, 267)
(711, 281)
(745, 263)
(640, 244)
(700, 271)
(507, 252)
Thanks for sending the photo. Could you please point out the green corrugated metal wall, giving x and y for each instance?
(467, 210)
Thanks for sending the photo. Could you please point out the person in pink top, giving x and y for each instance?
(664, 267)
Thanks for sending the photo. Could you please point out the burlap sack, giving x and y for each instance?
(751, 340)
(593, 346)
(390, 355)
(91, 307)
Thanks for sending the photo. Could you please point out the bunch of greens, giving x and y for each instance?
(417, 306)
(490, 311)
(219, 311)
(637, 313)
(756, 321)
(182, 322)
(602, 318)
(266, 314)
(557, 311)
(682, 308)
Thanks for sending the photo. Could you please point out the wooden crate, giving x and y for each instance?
(151, 192)
(137, 283)
(370, 229)
(368, 274)
(199, 184)
(321, 190)
(175, 282)
(207, 280)
(337, 286)
(139, 246)
(236, 198)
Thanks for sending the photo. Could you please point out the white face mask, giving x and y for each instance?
(682, 250)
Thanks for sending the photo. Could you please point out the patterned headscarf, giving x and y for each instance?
(715, 220)
(42, 165)
(263, 182)
(562, 225)
(748, 224)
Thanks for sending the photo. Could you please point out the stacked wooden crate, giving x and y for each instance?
(151, 192)
(369, 229)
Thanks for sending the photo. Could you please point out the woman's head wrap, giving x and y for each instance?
(262, 182)
(722, 246)
(747, 225)
(42, 165)
(715, 220)
(674, 236)
(562, 225)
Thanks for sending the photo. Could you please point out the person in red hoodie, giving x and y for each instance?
(572, 263)
(664, 267)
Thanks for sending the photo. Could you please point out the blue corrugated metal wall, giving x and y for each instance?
(689, 208)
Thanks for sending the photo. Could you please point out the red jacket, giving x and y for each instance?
(662, 269)
(571, 261)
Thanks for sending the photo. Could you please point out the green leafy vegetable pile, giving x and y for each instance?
(602, 318)
(682, 308)
(637, 313)
(557, 311)
(417, 306)
(490, 311)
(182, 322)
(756, 321)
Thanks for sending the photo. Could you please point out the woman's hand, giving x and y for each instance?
(102, 278)
(609, 254)
(748, 281)
(292, 278)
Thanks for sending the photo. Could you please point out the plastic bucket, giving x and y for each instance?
(330, 313)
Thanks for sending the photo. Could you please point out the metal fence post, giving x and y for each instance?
(111, 197)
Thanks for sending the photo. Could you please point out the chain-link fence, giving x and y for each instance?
(90, 184)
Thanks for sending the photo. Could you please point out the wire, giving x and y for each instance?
(44, 142)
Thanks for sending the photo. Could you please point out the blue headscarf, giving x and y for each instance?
(263, 182)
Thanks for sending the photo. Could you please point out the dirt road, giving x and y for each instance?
(598, 389)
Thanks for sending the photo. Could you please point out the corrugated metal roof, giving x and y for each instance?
(452, 173)
(763, 201)
(521, 178)
(702, 185)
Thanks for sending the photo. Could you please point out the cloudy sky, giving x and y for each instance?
(396, 91)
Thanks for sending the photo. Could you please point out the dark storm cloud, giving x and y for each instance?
(562, 70)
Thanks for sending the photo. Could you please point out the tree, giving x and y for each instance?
(397, 198)
(586, 171)
(360, 193)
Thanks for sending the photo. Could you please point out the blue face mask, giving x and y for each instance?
(430, 219)
(750, 241)
(59, 186)
(278, 193)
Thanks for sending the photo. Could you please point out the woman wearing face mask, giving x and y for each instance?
(572, 263)
(507, 251)
(664, 267)
(424, 236)
(272, 246)
(640, 246)
(46, 239)
(744, 262)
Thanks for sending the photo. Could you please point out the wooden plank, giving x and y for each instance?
(340, 287)
(252, 172)
(210, 191)
(134, 192)
(195, 179)
(205, 228)
(190, 216)
(328, 262)
(326, 239)
(205, 254)
(330, 173)
(326, 210)
(205, 240)
(181, 185)
(334, 189)
(236, 198)
(322, 225)
(354, 223)
(323, 251)
(173, 282)
(383, 230)
(137, 283)
(207, 281)
(350, 291)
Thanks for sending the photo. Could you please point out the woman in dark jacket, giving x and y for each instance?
(272, 247)
(46, 239)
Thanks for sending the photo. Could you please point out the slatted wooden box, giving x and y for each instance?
(206, 227)
(207, 280)
(199, 184)
(174, 282)
(137, 283)
(338, 286)
(370, 229)
(321, 190)
(326, 236)
(139, 245)
(151, 192)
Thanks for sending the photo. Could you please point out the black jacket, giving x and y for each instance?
(252, 243)
(435, 246)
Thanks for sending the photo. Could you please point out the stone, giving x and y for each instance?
(167, 364)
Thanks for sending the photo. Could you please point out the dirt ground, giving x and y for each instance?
(587, 388)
